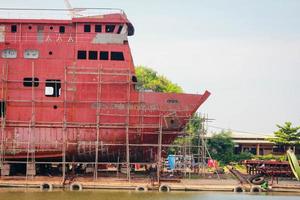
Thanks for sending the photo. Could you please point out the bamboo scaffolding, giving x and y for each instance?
(99, 93)
(69, 101)
(3, 116)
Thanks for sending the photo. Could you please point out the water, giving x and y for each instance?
(131, 195)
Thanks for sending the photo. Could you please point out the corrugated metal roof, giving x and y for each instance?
(242, 135)
(253, 142)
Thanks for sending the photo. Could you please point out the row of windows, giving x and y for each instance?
(103, 55)
(28, 53)
(81, 55)
(52, 87)
(14, 28)
(110, 28)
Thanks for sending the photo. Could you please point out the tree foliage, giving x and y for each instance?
(192, 129)
(221, 148)
(148, 79)
(286, 135)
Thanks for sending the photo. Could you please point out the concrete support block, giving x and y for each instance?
(5, 170)
(30, 169)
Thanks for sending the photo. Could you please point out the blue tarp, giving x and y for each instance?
(171, 161)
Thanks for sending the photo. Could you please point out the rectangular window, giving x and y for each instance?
(9, 53)
(40, 28)
(120, 29)
(13, 28)
(29, 82)
(87, 28)
(93, 55)
(98, 28)
(40, 33)
(33, 54)
(62, 29)
(2, 108)
(2, 33)
(53, 88)
(103, 55)
(81, 55)
(114, 55)
(110, 28)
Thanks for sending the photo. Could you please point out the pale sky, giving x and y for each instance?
(245, 52)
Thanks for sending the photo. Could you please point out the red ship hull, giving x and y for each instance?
(58, 98)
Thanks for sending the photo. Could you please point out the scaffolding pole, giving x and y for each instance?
(93, 147)
(127, 130)
(3, 115)
(64, 127)
(159, 148)
(203, 143)
(30, 161)
(99, 91)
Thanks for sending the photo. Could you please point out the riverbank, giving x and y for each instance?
(132, 195)
(203, 184)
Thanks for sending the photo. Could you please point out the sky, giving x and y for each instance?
(245, 52)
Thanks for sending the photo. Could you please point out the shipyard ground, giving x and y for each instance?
(143, 184)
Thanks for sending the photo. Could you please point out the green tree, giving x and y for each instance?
(287, 135)
(192, 129)
(148, 79)
(221, 147)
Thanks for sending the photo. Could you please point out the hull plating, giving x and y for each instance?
(59, 96)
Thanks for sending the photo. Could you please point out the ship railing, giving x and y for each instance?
(90, 12)
(47, 147)
(56, 13)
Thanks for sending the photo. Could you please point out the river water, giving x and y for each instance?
(131, 195)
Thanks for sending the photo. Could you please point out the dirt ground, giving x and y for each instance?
(208, 183)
